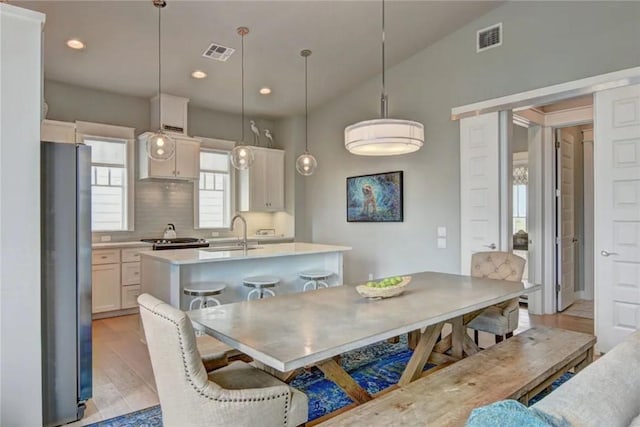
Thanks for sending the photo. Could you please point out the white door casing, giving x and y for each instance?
(587, 145)
(566, 221)
(479, 186)
(617, 214)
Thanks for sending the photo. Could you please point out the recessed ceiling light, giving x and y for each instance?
(265, 91)
(197, 74)
(75, 44)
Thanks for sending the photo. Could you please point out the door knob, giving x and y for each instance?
(607, 253)
(491, 246)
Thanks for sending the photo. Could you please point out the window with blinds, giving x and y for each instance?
(108, 184)
(214, 190)
(520, 181)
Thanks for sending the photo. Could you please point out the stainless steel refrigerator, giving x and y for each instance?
(66, 281)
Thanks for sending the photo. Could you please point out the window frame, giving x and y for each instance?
(103, 132)
(216, 146)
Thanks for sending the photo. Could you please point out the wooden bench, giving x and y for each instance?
(518, 368)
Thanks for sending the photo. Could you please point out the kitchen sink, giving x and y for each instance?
(229, 248)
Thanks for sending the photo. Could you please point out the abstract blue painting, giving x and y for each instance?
(375, 198)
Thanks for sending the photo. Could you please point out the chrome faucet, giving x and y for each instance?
(244, 229)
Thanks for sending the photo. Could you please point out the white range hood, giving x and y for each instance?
(174, 114)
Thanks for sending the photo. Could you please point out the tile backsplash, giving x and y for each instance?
(158, 203)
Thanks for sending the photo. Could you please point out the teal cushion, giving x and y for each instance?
(508, 413)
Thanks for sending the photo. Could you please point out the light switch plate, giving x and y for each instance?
(442, 231)
(105, 238)
(442, 243)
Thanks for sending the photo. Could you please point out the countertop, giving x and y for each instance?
(201, 256)
(213, 241)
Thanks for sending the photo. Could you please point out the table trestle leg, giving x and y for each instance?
(334, 372)
(421, 354)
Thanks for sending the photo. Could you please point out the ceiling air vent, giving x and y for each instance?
(218, 52)
(489, 37)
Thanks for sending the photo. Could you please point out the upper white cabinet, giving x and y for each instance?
(55, 131)
(185, 163)
(262, 185)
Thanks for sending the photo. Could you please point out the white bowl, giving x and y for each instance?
(391, 291)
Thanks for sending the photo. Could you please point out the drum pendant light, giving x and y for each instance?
(384, 136)
(242, 156)
(306, 164)
(160, 146)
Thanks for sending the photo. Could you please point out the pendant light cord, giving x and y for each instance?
(383, 98)
(160, 6)
(306, 107)
(242, 84)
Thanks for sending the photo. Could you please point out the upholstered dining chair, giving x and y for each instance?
(235, 395)
(501, 319)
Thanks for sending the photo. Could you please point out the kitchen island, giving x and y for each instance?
(164, 274)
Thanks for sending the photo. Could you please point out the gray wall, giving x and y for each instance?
(156, 202)
(291, 134)
(544, 43)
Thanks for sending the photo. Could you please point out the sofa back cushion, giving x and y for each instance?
(605, 393)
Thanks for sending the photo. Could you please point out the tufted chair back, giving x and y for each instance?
(497, 265)
(188, 397)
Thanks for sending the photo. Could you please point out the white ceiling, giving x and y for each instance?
(121, 40)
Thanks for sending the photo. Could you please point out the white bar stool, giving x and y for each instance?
(204, 294)
(260, 285)
(315, 278)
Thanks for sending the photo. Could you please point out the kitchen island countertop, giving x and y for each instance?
(207, 255)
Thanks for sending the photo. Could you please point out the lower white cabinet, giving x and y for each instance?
(116, 279)
(105, 287)
(130, 296)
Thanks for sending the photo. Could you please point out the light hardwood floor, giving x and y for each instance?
(123, 379)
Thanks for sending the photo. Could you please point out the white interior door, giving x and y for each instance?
(479, 186)
(617, 214)
(566, 223)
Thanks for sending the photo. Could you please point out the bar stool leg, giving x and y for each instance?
(253, 291)
(199, 301)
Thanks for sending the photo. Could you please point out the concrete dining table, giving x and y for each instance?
(293, 331)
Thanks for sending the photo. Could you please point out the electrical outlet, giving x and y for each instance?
(442, 231)
(105, 238)
(370, 276)
(215, 234)
(442, 243)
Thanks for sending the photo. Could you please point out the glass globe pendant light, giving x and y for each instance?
(160, 146)
(242, 156)
(306, 164)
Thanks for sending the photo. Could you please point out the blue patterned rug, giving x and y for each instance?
(375, 368)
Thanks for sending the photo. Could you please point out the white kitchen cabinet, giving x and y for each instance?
(130, 278)
(184, 165)
(105, 287)
(56, 131)
(130, 273)
(262, 185)
(130, 296)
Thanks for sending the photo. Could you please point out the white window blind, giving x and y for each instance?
(108, 184)
(214, 190)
